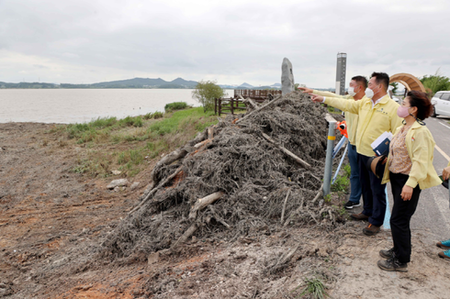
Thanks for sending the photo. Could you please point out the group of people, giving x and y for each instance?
(369, 112)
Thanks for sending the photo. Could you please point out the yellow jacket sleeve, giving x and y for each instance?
(420, 157)
(343, 104)
(351, 118)
(329, 94)
(396, 122)
(420, 146)
(373, 120)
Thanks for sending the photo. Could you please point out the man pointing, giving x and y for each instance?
(356, 90)
(377, 114)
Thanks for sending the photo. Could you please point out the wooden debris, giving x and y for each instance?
(204, 202)
(260, 108)
(167, 160)
(217, 217)
(150, 194)
(189, 232)
(200, 144)
(288, 152)
(319, 193)
(284, 205)
(210, 132)
(249, 102)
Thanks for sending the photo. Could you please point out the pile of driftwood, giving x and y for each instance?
(241, 177)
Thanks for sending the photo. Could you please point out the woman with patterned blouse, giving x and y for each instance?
(410, 169)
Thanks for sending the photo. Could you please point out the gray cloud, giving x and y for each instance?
(234, 41)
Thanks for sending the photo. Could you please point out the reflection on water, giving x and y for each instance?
(83, 105)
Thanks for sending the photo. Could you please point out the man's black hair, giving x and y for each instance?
(361, 80)
(381, 78)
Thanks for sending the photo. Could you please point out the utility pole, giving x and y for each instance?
(341, 69)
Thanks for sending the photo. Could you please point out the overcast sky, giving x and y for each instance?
(88, 41)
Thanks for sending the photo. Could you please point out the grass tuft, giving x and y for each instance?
(314, 287)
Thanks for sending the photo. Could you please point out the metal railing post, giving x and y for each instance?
(329, 157)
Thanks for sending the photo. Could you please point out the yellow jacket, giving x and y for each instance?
(350, 118)
(420, 146)
(372, 121)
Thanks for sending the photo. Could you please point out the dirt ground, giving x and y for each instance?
(52, 220)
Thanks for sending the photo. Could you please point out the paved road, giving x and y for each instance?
(433, 212)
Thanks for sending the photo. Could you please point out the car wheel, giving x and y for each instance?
(434, 112)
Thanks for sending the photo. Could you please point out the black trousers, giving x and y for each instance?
(401, 217)
(374, 194)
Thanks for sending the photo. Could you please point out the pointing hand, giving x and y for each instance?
(316, 98)
(306, 89)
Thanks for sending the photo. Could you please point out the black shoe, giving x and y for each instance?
(387, 254)
(392, 264)
(350, 205)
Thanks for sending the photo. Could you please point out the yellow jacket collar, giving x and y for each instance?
(384, 99)
(415, 125)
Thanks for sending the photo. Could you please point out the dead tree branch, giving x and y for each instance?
(288, 152)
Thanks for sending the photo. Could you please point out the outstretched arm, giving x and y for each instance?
(316, 98)
(321, 93)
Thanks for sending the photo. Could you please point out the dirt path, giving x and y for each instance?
(52, 219)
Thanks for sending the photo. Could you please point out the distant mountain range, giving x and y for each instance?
(136, 83)
(133, 83)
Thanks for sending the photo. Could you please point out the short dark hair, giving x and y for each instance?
(422, 102)
(381, 78)
(361, 80)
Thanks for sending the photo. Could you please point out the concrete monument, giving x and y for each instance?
(287, 77)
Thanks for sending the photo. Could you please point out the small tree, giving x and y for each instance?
(395, 87)
(435, 83)
(205, 92)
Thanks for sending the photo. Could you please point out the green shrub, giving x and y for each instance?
(148, 116)
(175, 106)
(347, 170)
(341, 184)
(157, 115)
(137, 121)
(76, 130)
(127, 121)
(103, 122)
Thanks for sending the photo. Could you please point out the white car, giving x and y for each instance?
(441, 103)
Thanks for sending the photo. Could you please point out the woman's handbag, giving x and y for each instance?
(377, 165)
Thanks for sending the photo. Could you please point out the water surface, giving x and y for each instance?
(83, 105)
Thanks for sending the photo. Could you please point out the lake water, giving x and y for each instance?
(83, 105)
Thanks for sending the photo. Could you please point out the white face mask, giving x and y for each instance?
(351, 91)
(369, 93)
